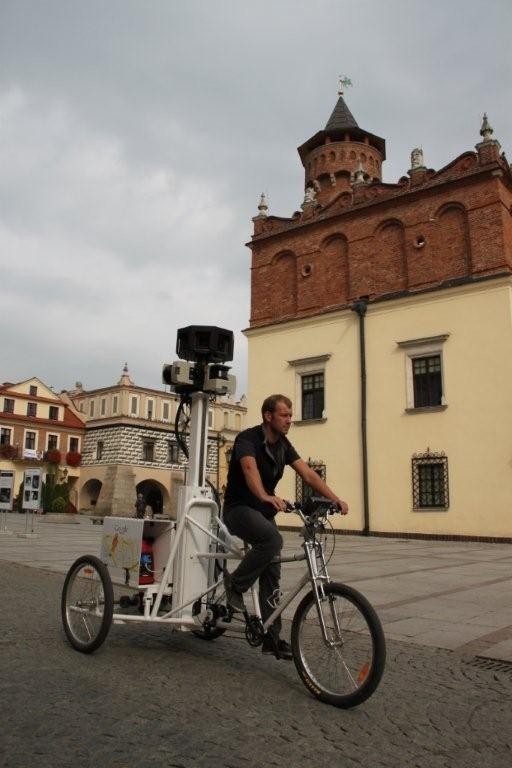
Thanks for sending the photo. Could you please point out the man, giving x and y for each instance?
(259, 457)
(140, 506)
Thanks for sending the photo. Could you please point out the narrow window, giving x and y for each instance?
(133, 409)
(31, 409)
(150, 405)
(99, 449)
(165, 411)
(174, 453)
(426, 373)
(114, 404)
(30, 440)
(32, 391)
(148, 450)
(5, 436)
(312, 396)
(103, 406)
(53, 442)
(53, 413)
(91, 408)
(8, 405)
(73, 444)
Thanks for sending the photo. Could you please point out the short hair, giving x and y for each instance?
(270, 402)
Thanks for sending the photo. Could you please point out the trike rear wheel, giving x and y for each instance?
(87, 603)
(346, 668)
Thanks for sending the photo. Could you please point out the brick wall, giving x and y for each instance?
(383, 239)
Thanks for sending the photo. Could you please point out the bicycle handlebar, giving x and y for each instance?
(313, 508)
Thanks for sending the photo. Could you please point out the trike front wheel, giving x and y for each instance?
(345, 666)
(87, 604)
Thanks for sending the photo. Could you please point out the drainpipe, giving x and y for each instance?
(359, 308)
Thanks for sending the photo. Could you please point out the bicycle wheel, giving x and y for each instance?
(347, 669)
(87, 603)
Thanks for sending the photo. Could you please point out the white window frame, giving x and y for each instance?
(309, 366)
(76, 438)
(167, 403)
(10, 430)
(36, 442)
(425, 347)
(52, 434)
(137, 400)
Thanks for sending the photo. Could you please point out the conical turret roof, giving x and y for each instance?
(341, 123)
(341, 118)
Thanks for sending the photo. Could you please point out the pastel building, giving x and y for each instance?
(385, 312)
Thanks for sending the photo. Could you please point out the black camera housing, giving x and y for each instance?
(205, 344)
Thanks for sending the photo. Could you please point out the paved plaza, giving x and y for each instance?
(149, 698)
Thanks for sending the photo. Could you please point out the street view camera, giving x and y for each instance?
(203, 350)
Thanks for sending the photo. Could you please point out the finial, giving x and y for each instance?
(263, 205)
(486, 131)
(417, 158)
(309, 196)
(125, 369)
(344, 82)
(359, 174)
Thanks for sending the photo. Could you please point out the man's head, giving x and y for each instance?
(277, 414)
(139, 496)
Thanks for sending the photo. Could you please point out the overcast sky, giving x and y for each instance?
(137, 135)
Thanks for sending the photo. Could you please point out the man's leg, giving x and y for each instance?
(269, 596)
(266, 542)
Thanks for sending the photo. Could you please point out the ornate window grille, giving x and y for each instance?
(302, 490)
(430, 480)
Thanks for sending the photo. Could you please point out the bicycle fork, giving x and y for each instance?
(319, 578)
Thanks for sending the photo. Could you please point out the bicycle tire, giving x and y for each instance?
(87, 603)
(348, 673)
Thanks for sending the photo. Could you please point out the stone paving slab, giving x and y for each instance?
(452, 595)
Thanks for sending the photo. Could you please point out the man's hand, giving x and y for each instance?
(278, 504)
(342, 506)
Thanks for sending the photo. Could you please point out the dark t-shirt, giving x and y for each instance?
(271, 459)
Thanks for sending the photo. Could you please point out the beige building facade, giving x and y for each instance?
(464, 442)
(130, 446)
(385, 312)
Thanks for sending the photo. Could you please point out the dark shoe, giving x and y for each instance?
(234, 599)
(278, 648)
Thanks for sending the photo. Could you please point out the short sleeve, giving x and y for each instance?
(290, 454)
(243, 448)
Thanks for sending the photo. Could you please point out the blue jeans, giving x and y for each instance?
(266, 542)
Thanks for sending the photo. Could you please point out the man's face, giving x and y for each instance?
(280, 420)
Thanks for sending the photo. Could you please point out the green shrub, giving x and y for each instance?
(59, 504)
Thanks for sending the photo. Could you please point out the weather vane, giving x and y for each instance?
(345, 82)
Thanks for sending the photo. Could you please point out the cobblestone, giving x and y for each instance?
(150, 698)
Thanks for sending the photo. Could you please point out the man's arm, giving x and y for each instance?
(253, 479)
(317, 484)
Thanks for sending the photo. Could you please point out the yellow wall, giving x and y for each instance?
(474, 431)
